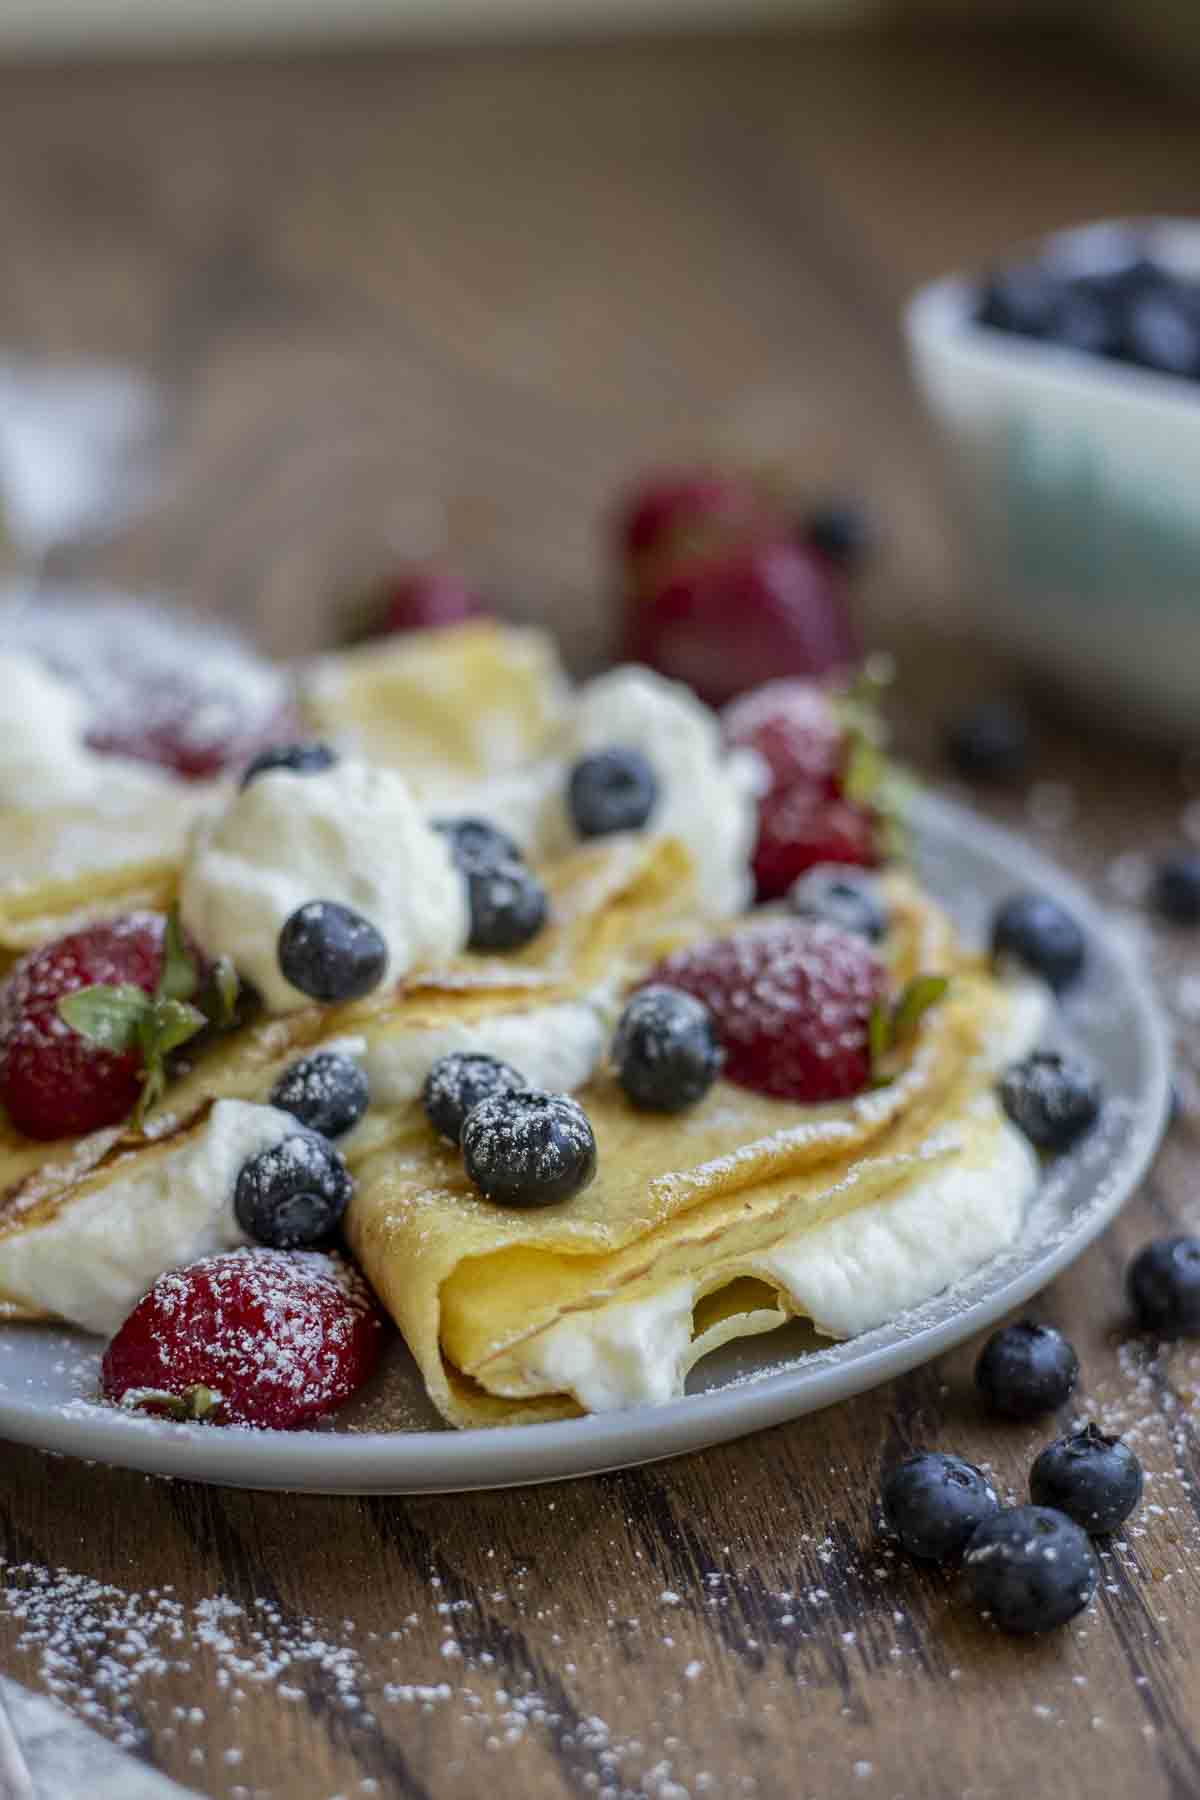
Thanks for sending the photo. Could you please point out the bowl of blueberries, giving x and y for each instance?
(1066, 384)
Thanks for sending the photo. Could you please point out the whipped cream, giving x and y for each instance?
(351, 833)
(97, 1256)
(556, 1047)
(707, 795)
(847, 1275)
(45, 760)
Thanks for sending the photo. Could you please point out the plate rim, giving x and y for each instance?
(455, 1461)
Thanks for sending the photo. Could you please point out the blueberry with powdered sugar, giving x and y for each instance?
(666, 1052)
(611, 790)
(1052, 1098)
(458, 1082)
(507, 902)
(293, 1194)
(529, 1148)
(326, 1091)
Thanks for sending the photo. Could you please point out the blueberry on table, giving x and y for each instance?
(666, 1052)
(293, 1194)
(1175, 890)
(1164, 1286)
(1043, 936)
(1026, 1369)
(457, 1082)
(1052, 1098)
(842, 895)
(1030, 1568)
(991, 742)
(301, 759)
(1094, 1479)
(934, 1503)
(326, 1091)
(841, 531)
(331, 953)
(528, 1148)
(611, 790)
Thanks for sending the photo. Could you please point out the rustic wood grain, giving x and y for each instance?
(434, 302)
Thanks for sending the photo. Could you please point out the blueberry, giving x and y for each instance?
(611, 790)
(1025, 299)
(665, 1051)
(839, 530)
(990, 742)
(458, 1082)
(528, 1148)
(294, 1193)
(476, 841)
(1030, 1568)
(1089, 320)
(843, 896)
(326, 1091)
(1053, 1099)
(1164, 1286)
(301, 759)
(1175, 891)
(1037, 931)
(1094, 1479)
(331, 953)
(1162, 332)
(933, 1503)
(507, 902)
(1026, 1369)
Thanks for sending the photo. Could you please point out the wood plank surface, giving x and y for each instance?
(436, 302)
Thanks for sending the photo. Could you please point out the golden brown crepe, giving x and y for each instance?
(700, 1198)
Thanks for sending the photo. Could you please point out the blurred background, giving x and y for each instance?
(299, 295)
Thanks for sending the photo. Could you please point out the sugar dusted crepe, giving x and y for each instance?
(717, 1223)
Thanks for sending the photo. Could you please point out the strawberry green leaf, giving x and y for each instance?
(178, 980)
(879, 1034)
(922, 992)
(165, 1025)
(112, 1018)
(218, 998)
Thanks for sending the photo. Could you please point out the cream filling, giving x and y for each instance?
(557, 1047)
(95, 1258)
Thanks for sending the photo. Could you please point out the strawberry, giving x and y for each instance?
(665, 509)
(792, 1000)
(794, 726)
(799, 828)
(422, 599)
(754, 610)
(87, 1021)
(192, 732)
(271, 1338)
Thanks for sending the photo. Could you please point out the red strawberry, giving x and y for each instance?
(192, 731)
(794, 727)
(798, 828)
(792, 1000)
(272, 1338)
(756, 610)
(54, 1082)
(674, 504)
(422, 599)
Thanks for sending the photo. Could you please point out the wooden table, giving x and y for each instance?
(411, 302)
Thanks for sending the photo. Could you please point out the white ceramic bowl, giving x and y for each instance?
(1083, 478)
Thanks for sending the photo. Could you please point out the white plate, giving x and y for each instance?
(47, 1375)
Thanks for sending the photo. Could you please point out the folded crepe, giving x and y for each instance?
(614, 905)
(447, 708)
(702, 1227)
